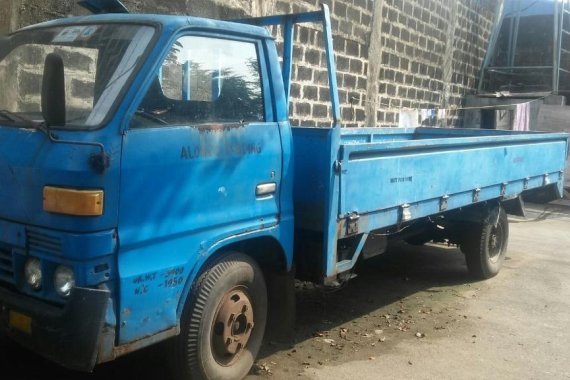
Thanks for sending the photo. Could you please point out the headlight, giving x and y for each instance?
(33, 273)
(64, 280)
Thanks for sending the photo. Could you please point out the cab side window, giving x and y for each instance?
(204, 80)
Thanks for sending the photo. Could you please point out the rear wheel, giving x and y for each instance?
(486, 246)
(223, 322)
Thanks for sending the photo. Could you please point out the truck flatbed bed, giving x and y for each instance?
(352, 181)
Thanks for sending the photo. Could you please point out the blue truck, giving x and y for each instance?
(153, 189)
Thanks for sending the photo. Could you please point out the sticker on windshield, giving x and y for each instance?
(73, 33)
(88, 32)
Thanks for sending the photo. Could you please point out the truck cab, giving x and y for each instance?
(135, 149)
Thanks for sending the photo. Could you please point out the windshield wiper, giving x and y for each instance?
(24, 121)
(100, 162)
(14, 117)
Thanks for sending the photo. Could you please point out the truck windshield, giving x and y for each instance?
(98, 60)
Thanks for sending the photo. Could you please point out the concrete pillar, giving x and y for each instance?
(447, 58)
(374, 63)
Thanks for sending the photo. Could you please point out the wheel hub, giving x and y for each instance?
(495, 243)
(232, 326)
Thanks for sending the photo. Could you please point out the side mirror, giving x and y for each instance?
(53, 91)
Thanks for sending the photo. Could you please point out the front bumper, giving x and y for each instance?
(68, 336)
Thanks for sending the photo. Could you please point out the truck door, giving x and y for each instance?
(201, 161)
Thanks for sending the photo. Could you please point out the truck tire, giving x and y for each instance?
(486, 246)
(223, 322)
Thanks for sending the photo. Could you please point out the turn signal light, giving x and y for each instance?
(73, 202)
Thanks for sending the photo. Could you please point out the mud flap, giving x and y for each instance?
(543, 194)
(514, 206)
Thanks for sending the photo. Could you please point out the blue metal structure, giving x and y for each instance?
(287, 23)
(178, 197)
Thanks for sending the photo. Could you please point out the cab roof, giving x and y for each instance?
(168, 23)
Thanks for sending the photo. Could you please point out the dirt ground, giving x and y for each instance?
(410, 313)
(414, 314)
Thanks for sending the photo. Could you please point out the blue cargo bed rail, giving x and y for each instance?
(287, 23)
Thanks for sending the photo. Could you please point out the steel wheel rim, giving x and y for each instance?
(496, 243)
(232, 327)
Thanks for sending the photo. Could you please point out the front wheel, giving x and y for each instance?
(486, 246)
(223, 322)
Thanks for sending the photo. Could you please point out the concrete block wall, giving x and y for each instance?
(431, 52)
(391, 55)
(351, 22)
(413, 42)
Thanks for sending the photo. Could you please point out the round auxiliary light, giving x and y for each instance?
(33, 273)
(64, 280)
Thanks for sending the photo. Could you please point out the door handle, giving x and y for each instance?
(265, 189)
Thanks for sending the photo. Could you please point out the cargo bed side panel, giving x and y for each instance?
(460, 170)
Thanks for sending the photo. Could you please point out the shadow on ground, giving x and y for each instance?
(381, 281)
